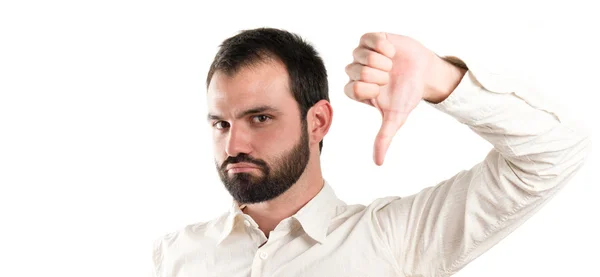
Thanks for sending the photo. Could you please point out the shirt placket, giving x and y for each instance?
(266, 247)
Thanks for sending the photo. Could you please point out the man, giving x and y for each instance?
(269, 110)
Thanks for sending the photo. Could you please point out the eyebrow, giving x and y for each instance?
(255, 110)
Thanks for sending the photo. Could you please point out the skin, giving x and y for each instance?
(393, 73)
(266, 84)
(390, 72)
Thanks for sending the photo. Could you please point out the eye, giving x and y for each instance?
(261, 118)
(221, 125)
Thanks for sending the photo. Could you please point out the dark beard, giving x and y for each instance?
(248, 189)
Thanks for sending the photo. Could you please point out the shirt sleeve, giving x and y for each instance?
(439, 230)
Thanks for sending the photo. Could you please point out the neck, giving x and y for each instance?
(268, 214)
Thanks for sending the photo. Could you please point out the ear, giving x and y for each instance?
(319, 118)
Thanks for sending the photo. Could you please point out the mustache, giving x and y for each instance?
(244, 158)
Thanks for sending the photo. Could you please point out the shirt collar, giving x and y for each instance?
(314, 216)
(317, 213)
(235, 213)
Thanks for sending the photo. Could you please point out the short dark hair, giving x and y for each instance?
(306, 70)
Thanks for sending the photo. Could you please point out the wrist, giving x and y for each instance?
(444, 76)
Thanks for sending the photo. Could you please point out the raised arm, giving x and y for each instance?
(442, 228)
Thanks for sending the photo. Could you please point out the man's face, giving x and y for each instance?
(261, 144)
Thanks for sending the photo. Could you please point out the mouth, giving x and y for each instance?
(241, 167)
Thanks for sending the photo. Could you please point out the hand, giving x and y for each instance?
(389, 72)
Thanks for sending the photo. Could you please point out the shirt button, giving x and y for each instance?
(264, 255)
(247, 223)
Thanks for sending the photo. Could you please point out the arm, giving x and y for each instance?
(441, 229)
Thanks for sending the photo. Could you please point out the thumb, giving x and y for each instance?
(392, 121)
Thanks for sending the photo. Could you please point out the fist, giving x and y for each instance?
(389, 72)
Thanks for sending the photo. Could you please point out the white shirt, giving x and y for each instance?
(435, 232)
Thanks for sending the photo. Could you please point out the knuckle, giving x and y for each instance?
(356, 53)
(348, 87)
(380, 44)
(371, 58)
(348, 68)
(365, 36)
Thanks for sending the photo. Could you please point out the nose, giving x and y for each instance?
(238, 142)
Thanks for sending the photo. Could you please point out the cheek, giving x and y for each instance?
(219, 143)
(277, 141)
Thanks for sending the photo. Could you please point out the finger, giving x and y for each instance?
(392, 121)
(359, 72)
(372, 59)
(378, 42)
(361, 91)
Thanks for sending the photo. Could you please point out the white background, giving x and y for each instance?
(104, 145)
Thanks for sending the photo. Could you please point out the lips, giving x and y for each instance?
(241, 167)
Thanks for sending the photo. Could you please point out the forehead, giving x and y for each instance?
(264, 83)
